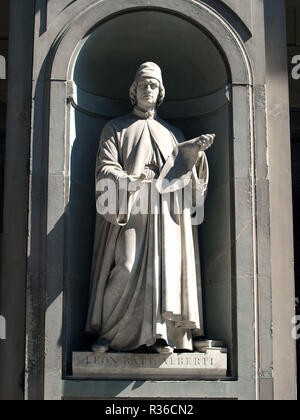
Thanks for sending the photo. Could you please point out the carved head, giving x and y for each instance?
(147, 86)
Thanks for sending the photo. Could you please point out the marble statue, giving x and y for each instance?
(146, 281)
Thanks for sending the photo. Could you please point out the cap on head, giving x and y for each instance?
(146, 71)
(149, 70)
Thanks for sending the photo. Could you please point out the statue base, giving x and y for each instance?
(211, 364)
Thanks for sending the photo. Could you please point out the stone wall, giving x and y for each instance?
(257, 303)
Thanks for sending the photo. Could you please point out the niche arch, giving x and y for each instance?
(59, 70)
(197, 100)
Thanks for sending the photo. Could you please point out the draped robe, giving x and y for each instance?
(145, 282)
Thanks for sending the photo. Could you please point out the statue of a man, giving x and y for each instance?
(146, 282)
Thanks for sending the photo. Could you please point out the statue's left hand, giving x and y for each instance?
(205, 142)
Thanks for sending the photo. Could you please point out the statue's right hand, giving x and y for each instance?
(134, 182)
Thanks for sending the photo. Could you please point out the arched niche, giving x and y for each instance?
(111, 53)
(227, 253)
(196, 79)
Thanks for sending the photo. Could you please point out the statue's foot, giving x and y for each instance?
(201, 345)
(101, 346)
(161, 347)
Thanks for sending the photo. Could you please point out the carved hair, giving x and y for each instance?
(133, 94)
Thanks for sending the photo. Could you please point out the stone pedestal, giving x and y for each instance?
(209, 365)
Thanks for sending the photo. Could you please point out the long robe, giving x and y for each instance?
(145, 282)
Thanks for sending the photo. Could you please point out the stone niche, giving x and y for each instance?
(85, 61)
(198, 100)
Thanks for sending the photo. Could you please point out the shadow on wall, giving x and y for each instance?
(80, 219)
(49, 9)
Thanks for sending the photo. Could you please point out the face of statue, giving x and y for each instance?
(147, 93)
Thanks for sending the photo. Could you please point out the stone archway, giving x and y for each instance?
(58, 70)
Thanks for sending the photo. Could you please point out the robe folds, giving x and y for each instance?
(145, 281)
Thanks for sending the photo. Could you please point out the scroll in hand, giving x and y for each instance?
(177, 171)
